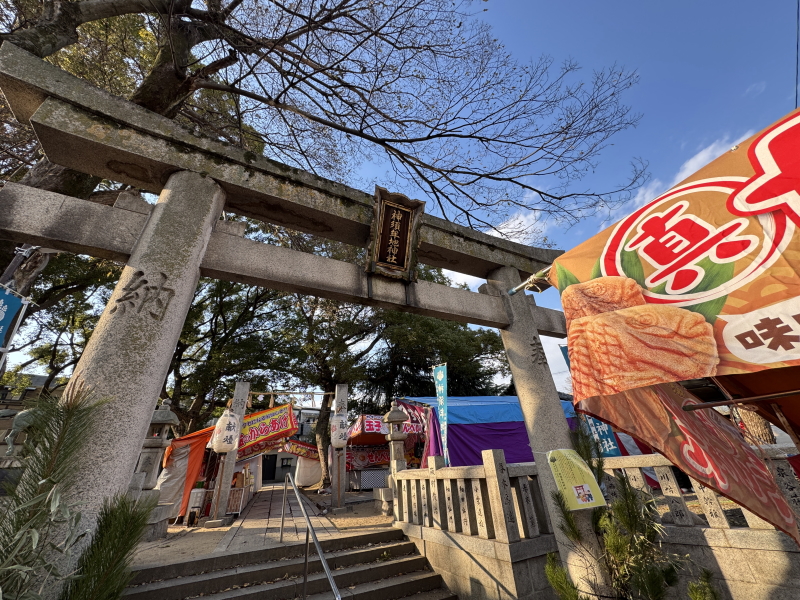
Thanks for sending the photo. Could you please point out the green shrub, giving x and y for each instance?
(104, 567)
(36, 525)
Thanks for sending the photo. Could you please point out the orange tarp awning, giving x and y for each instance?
(197, 442)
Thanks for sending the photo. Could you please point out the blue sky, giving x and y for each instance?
(710, 74)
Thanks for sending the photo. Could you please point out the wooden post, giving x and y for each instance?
(222, 489)
(499, 487)
(787, 426)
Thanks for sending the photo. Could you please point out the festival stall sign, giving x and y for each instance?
(265, 430)
(702, 281)
(367, 457)
(261, 447)
(370, 430)
(301, 449)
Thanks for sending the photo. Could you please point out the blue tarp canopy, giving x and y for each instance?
(471, 410)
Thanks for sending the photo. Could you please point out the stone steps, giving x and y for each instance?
(381, 563)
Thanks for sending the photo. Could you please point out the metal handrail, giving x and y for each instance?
(309, 530)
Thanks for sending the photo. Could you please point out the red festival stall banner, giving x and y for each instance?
(363, 457)
(301, 449)
(261, 428)
(261, 447)
(703, 281)
(371, 430)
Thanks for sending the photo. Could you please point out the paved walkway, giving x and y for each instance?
(259, 524)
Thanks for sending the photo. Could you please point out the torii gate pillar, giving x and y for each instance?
(128, 356)
(544, 419)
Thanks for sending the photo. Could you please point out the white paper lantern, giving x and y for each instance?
(338, 431)
(226, 433)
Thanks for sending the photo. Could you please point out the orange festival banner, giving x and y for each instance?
(266, 426)
(301, 449)
(703, 281)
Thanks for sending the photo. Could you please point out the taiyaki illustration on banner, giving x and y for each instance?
(701, 282)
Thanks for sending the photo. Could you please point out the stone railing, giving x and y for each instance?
(485, 531)
(484, 528)
(748, 558)
(491, 501)
(709, 501)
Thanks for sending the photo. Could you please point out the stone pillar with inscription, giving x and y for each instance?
(338, 469)
(222, 488)
(544, 420)
(127, 358)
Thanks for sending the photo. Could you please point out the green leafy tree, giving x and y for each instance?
(412, 345)
(229, 334)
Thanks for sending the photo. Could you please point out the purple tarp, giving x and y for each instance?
(466, 442)
(478, 427)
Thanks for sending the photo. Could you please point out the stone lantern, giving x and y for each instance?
(146, 474)
(384, 497)
(155, 443)
(395, 419)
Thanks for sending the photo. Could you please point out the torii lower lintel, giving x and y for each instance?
(44, 218)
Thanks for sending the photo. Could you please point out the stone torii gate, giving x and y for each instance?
(167, 247)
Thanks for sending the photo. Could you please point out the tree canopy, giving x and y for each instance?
(327, 84)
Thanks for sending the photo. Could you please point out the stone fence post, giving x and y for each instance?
(397, 454)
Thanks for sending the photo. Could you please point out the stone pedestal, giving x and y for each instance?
(544, 419)
(382, 499)
(128, 355)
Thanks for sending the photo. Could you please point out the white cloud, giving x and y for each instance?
(457, 278)
(655, 187)
(520, 227)
(755, 89)
(556, 362)
(714, 150)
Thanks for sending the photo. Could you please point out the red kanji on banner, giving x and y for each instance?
(776, 185)
(675, 242)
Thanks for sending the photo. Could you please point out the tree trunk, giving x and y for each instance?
(757, 426)
(323, 435)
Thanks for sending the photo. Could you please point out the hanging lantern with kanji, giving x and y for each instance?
(226, 433)
(338, 430)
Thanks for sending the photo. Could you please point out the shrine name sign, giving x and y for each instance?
(394, 238)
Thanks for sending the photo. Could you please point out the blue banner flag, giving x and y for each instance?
(440, 380)
(10, 306)
(600, 431)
